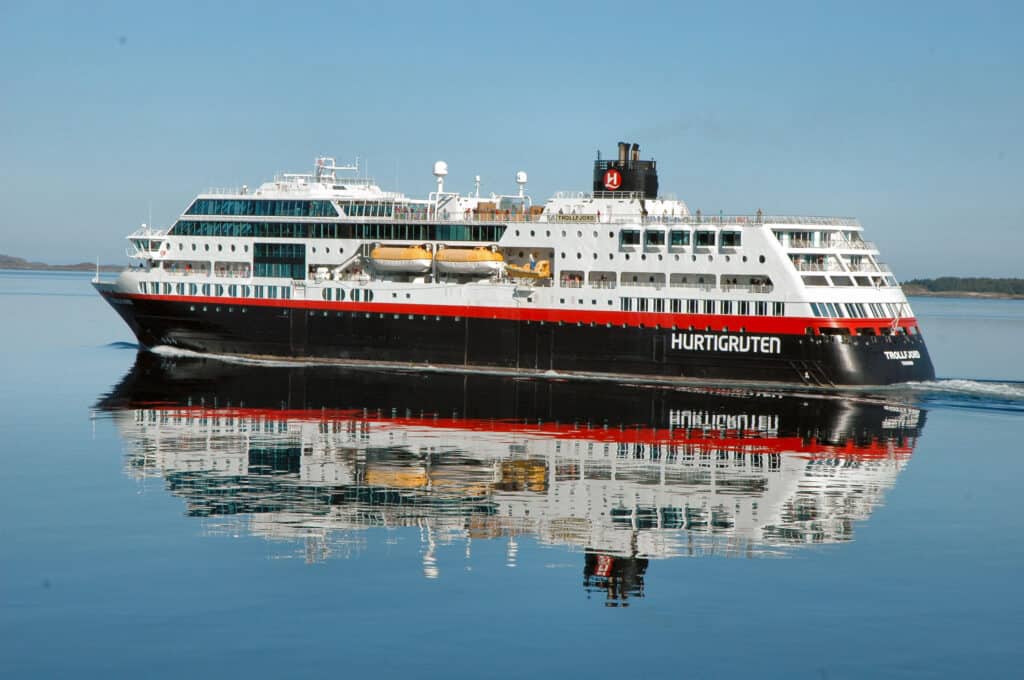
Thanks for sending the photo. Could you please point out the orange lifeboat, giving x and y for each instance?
(404, 259)
(478, 261)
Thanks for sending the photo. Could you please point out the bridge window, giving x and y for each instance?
(654, 237)
(705, 238)
(679, 237)
(731, 239)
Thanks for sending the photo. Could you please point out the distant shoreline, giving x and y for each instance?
(916, 292)
(980, 287)
(20, 264)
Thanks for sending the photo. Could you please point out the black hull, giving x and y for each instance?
(524, 347)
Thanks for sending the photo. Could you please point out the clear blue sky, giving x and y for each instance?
(909, 116)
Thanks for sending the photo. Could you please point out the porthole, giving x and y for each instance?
(595, 234)
(726, 258)
(220, 247)
(660, 258)
(627, 256)
(532, 233)
(193, 246)
(206, 247)
(579, 256)
(327, 250)
(563, 233)
(579, 234)
(180, 246)
(744, 258)
(711, 258)
(314, 249)
(595, 256)
(547, 233)
(611, 234)
(677, 258)
(563, 256)
(517, 232)
(643, 257)
(245, 249)
(611, 256)
(694, 257)
(232, 247)
(761, 259)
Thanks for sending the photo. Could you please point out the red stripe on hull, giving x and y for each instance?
(751, 324)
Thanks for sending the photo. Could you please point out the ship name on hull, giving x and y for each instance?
(903, 354)
(709, 342)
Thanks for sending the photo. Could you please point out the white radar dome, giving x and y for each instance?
(440, 169)
(521, 177)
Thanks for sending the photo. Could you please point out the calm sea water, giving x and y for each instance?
(167, 515)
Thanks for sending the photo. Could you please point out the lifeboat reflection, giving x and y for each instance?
(623, 473)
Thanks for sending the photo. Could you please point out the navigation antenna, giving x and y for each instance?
(326, 167)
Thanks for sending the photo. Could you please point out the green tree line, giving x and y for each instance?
(970, 284)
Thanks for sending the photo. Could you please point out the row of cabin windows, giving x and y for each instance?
(246, 291)
(373, 231)
(355, 295)
(261, 207)
(215, 290)
(725, 307)
(858, 310)
(679, 237)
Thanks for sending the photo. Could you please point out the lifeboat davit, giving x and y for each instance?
(477, 261)
(406, 259)
(535, 270)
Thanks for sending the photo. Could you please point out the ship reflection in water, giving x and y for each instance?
(625, 474)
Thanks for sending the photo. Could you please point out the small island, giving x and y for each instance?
(966, 287)
(10, 262)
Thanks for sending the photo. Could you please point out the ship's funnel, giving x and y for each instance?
(628, 175)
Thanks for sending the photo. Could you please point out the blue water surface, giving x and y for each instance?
(110, 570)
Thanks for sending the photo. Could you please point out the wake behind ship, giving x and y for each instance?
(614, 282)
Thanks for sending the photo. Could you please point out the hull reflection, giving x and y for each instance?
(623, 473)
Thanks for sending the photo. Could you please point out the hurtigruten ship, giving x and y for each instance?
(616, 282)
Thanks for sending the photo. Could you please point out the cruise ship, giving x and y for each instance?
(325, 459)
(616, 282)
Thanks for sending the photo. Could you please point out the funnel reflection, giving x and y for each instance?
(624, 474)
